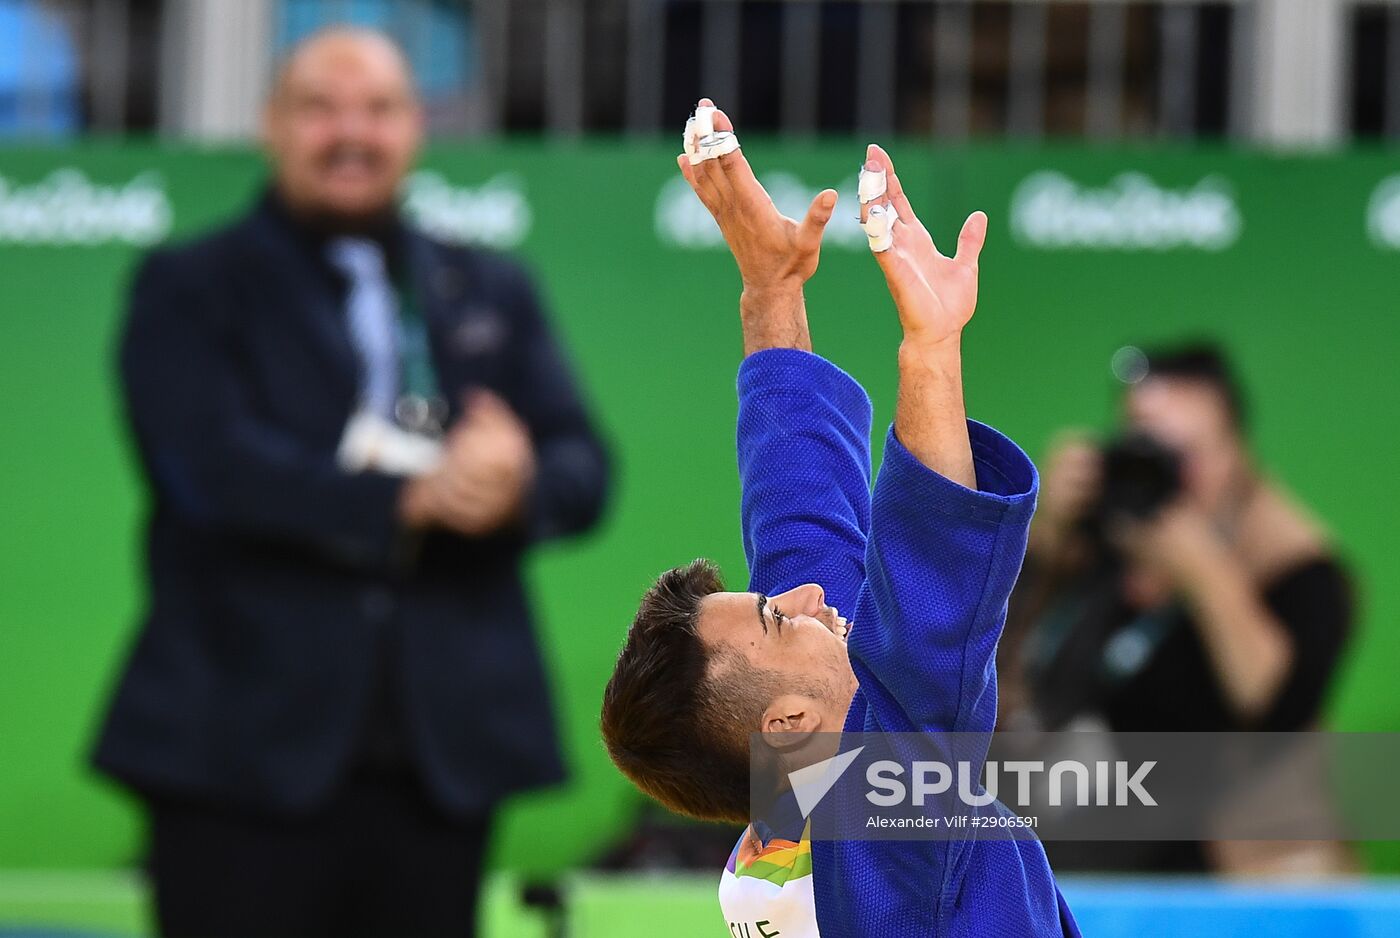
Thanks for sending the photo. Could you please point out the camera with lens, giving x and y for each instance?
(1140, 477)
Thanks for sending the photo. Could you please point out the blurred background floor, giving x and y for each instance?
(100, 904)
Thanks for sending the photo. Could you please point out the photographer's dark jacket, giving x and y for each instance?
(1082, 648)
(293, 629)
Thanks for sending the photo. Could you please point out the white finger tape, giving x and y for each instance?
(702, 141)
(714, 146)
(879, 227)
(871, 185)
(702, 122)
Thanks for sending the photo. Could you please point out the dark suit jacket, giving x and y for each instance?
(275, 577)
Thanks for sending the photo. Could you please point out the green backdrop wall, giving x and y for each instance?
(1294, 262)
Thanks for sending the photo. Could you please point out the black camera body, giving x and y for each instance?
(1141, 476)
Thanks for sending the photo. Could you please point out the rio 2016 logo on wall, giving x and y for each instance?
(1383, 214)
(1132, 212)
(495, 213)
(68, 208)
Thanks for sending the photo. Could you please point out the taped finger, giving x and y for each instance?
(702, 141)
(879, 227)
(871, 185)
(893, 186)
(713, 146)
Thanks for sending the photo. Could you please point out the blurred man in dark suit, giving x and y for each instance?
(351, 434)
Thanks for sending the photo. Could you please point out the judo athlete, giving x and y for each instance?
(925, 563)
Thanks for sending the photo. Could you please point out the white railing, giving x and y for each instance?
(1287, 77)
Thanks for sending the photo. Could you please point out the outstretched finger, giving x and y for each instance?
(738, 174)
(718, 121)
(894, 191)
(898, 269)
(709, 181)
(704, 189)
(809, 231)
(971, 239)
(714, 179)
(683, 161)
(871, 166)
(721, 119)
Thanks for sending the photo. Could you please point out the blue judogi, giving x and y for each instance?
(927, 566)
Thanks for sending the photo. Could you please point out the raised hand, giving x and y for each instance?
(771, 249)
(934, 294)
(776, 255)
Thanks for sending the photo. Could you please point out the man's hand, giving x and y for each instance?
(935, 294)
(487, 468)
(776, 255)
(772, 250)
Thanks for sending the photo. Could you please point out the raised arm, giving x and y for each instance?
(804, 468)
(953, 500)
(935, 296)
(804, 425)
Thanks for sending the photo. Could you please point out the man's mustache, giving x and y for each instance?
(369, 157)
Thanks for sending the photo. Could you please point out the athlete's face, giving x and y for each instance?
(798, 638)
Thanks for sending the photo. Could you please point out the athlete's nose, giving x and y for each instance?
(814, 599)
(809, 599)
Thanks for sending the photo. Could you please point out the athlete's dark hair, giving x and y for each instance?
(1204, 362)
(675, 720)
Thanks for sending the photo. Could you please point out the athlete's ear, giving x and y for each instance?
(789, 720)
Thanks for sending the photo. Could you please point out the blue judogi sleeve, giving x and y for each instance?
(804, 463)
(940, 564)
(941, 560)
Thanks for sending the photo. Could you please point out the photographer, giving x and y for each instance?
(1172, 585)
